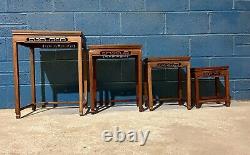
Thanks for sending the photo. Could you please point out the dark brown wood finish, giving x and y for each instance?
(216, 73)
(32, 79)
(168, 62)
(47, 39)
(111, 52)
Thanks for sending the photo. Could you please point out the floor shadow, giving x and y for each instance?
(59, 76)
(116, 82)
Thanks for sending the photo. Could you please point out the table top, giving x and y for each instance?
(210, 68)
(115, 46)
(46, 33)
(158, 59)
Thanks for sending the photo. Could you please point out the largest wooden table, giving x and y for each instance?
(48, 39)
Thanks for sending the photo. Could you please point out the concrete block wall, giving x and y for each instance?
(213, 32)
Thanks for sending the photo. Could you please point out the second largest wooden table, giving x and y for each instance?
(111, 52)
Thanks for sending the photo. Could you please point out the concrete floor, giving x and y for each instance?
(173, 130)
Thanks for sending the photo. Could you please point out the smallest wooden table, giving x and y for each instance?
(115, 52)
(211, 72)
(163, 63)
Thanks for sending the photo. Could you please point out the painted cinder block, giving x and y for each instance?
(238, 66)
(122, 5)
(169, 5)
(56, 75)
(230, 22)
(45, 93)
(128, 73)
(167, 46)
(212, 45)
(23, 52)
(164, 75)
(6, 79)
(123, 40)
(3, 6)
(98, 23)
(66, 54)
(57, 93)
(12, 19)
(3, 53)
(68, 94)
(5, 30)
(142, 23)
(40, 76)
(29, 5)
(7, 67)
(164, 89)
(45, 54)
(221, 5)
(10, 98)
(92, 40)
(207, 87)
(105, 67)
(24, 79)
(51, 21)
(187, 23)
(243, 84)
(243, 5)
(3, 96)
(200, 62)
(242, 95)
(242, 45)
(25, 92)
(126, 40)
(77, 5)
(116, 90)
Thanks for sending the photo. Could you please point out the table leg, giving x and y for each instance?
(227, 91)
(94, 81)
(32, 79)
(217, 91)
(188, 88)
(80, 79)
(150, 92)
(91, 70)
(16, 80)
(85, 66)
(197, 92)
(139, 83)
(145, 86)
(179, 87)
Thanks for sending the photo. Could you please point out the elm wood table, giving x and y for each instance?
(115, 52)
(164, 63)
(211, 72)
(47, 39)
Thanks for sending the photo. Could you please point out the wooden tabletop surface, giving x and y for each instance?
(178, 58)
(210, 68)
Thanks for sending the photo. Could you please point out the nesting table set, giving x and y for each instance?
(74, 39)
